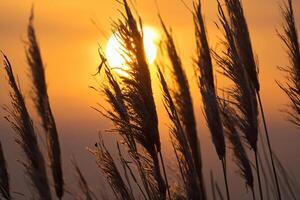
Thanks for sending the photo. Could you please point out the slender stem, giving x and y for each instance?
(212, 182)
(258, 176)
(253, 194)
(219, 191)
(165, 174)
(269, 145)
(265, 177)
(202, 185)
(225, 177)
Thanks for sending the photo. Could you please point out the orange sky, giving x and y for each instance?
(69, 43)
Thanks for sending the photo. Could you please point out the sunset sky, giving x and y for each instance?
(69, 42)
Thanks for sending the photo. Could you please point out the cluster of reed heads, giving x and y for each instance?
(139, 171)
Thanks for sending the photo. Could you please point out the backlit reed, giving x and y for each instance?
(42, 104)
(184, 105)
(21, 123)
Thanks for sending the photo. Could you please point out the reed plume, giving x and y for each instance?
(289, 37)
(42, 104)
(206, 83)
(207, 88)
(120, 117)
(184, 105)
(109, 169)
(242, 93)
(243, 44)
(181, 146)
(138, 97)
(242, 38)
(87, 194)
(240, 156)
(4, 177)
(21, 123)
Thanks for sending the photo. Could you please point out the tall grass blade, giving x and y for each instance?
(120, 116)
(240, 155)
(289, 37)
(109, 169)
(287, 180)
(4, 177)
(181, 145)
(21, 123)
(242, 93)
(244, 48)
(206, 83)
(138, 96)
(42, 105)
(219, 192)
(212, 185)
(208, 90)
(184, 105)
(87, 194)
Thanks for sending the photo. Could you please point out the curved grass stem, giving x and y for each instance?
(165, 174)
(253, 194)
(258, 175)
(269, 146)
(225, 177)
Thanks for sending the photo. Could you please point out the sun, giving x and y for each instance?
(115, 51)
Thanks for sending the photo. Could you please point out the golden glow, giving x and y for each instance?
(117, 57)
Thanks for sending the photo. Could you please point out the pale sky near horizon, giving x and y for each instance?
(69, 43)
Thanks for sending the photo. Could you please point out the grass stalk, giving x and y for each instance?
(207, 86)
(265, 176)
(82, 183)
(181, 146)
(138, 92)
(258, 175)
(225, 177)
(289, 37)
(109, 169)
(184, 104)
(253, 194)
(165, 174)
(242, 94)
(212, 185)
(219, 192)
(134, 110)
(21, 123)
(230, 119)
(241, 34)
(269, 147)
(42, 104)
(4, 176)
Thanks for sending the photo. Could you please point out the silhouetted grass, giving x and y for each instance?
(21, 123)
(4, 177)
(42, 104)
(184, 105)
(208, 89)
(139, 171)
(207, 84)
(289, 37)
(181, 146)
(230, 120)
(242, 93)
(242, 40)
(106, 163)
(86, 193)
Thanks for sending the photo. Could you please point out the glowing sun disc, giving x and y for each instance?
(115, 51)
